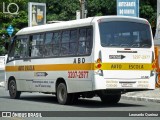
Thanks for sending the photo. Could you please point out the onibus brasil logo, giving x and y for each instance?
(8, 8)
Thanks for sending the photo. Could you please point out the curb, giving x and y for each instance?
(146, 99)
(1, 84)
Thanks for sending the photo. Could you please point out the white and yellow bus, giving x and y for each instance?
(99, 56)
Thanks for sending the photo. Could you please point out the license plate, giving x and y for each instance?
(127, 84)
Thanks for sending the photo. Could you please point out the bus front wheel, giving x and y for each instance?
(62, 96)
(14, 94)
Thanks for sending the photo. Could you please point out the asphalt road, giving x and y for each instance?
(42, 102)
(47, 102)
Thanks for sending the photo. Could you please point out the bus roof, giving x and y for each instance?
(71, 24)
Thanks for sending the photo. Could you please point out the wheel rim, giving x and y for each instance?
(12, 88)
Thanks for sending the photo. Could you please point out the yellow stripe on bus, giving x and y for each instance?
(84, 66)
(51, 67)
(126, 66)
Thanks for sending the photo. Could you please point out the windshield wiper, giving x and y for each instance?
(104, 45)
(113, 45)
(124, 45)
(135, 45)
(145, 45)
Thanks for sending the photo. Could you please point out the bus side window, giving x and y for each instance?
(56, 43)
(12, 49)
(24, 47)
(82, 39)
(84, 42)
(73, 42)
(65, 42)
(30, 45)
(20, 49)
(48, 44)
(88, 42)
(37, 45)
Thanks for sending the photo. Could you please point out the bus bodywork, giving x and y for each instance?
(102, 56)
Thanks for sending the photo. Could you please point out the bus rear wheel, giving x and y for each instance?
(110, 99)
(14, 94)
(62, 96)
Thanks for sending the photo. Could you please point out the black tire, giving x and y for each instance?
(63, 97)
(14, 94)
(110, 99)
(157, 80)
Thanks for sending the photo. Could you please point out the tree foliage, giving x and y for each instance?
(64, 10)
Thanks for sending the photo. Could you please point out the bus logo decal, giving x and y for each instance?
(40, 74)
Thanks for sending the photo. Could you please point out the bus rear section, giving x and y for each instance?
(124, 53)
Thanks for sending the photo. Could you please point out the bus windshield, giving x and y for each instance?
(125, 34)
